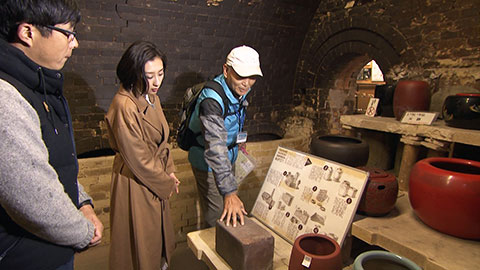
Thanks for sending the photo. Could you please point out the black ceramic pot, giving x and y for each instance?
(261, 137)
(347, 150)
(462, 111)
(385, 93)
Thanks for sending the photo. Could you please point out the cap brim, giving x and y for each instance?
(247, 71)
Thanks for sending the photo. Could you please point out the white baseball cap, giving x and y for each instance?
(245, 61)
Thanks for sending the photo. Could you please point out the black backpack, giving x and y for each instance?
(186, 138)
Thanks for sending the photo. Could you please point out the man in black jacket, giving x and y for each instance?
(45, 215)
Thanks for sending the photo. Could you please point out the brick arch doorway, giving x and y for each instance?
(325, 81)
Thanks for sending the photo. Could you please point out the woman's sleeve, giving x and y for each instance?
(170, 164)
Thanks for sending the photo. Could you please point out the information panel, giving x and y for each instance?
(303, 193)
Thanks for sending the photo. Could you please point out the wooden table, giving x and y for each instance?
(202, 244)
(401, 232)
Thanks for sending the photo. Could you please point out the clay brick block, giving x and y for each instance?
(245, 247)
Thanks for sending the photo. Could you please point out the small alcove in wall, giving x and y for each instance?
(327, 78)
(369, 77)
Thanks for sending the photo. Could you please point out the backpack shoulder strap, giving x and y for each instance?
(218, 88)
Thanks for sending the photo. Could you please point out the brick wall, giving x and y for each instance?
(310, 51)
(95, 174)
(435, 41)
(196, 38)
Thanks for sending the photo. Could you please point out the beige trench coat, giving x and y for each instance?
(141, 227)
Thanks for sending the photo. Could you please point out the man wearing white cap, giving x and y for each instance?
(219, 134)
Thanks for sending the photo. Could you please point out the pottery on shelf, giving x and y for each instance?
(315, 251)
(384, 92)
(346, 150)
(462, 110)
(410, 96)
(383, 260)
(445, 195)
(380, 194)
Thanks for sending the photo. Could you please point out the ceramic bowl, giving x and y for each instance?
(445, 195)
(462, 110)
(383, 260)
(346, 150)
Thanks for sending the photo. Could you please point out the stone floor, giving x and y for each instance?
(97, 259)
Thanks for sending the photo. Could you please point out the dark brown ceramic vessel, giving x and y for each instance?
(410, 96)
(322, 253)
(380, 194)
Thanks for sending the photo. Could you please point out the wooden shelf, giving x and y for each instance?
(438, 138)
(401, 232)
(438, 130)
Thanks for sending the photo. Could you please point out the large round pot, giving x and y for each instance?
(445, 195)
(410, 96)
(315, 251)
(380, 194)
(462, 111)
(383, 260)
(342, 149)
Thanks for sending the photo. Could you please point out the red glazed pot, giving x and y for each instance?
(322, 252)
(445, 195)
(410, 96)
(380, 194)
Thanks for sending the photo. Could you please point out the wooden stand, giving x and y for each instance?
(437, 138)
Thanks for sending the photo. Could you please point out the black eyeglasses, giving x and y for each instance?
(71, 35)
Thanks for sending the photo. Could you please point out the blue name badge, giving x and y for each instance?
(242, 137)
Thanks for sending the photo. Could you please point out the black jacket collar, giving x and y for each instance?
(16, 64)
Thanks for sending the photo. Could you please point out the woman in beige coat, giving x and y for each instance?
(143, 176)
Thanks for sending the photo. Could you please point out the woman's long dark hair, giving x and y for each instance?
(130, 69)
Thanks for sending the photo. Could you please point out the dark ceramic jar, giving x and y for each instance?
(315, 251)
(380, 194)
(445, 195)
(346, 150)
(462, 111)
(410, 96)
(385, 94)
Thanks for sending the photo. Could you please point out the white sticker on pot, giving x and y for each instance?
(307, 261)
